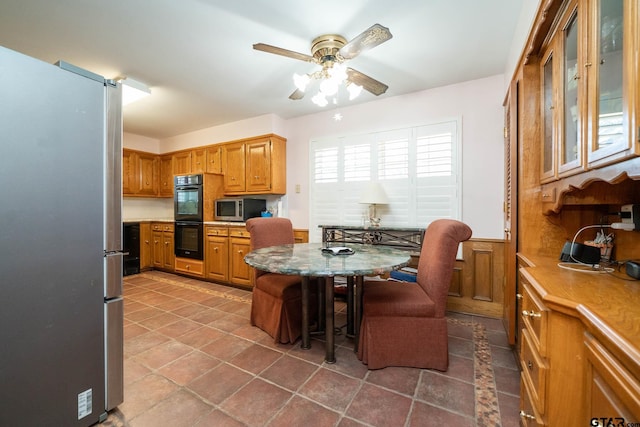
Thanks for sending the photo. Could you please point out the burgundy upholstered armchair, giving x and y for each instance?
(276, 305)
(404, 324)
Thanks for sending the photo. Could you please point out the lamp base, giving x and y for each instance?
(374, 222)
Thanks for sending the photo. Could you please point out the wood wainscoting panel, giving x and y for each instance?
(455, 290)
(483, 274)
(477, 284)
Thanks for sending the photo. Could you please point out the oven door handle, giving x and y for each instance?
(187, 188)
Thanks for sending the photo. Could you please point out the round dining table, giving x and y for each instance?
(320, 261)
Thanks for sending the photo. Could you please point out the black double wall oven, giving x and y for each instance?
(188, 216)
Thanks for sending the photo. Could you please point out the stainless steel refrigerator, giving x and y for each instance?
(61, 314)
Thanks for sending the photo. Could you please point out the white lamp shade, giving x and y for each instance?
(374, 194)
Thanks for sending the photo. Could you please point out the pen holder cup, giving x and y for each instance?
(606, 249)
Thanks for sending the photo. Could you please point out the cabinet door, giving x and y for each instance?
(198, 160)
(182, 163)
(129, 172)
(148, 174)
(166, 176)
(240, 272)
(234, 168)
(158, 249)
(146, 247)
(612, 49)
(168, 251)
(258, 166)
(217, 258)
(549, 125)
(214, 161)
(573, 90)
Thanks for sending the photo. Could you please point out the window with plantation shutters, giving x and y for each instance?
(419, 168)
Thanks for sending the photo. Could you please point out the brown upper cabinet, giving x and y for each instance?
(250, 166)
(255, 166)
(166, 176)
(140, 172)
(589, 88)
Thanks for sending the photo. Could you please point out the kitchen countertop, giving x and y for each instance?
(607, 305)
(222, 223)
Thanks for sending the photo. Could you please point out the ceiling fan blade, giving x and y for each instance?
(297, 94)
(284, 52)
(369, 84)
(371, 37)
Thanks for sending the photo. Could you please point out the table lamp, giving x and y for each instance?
(374, 195)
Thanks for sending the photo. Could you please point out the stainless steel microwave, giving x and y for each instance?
(239, 209)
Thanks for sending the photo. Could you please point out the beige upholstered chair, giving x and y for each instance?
(276, 306)
(404, 324)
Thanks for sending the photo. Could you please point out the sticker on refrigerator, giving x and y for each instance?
(85, 405)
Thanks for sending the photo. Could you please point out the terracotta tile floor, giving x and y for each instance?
(193, 359)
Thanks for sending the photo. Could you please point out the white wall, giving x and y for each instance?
(261, 125)
(141, 143)
(523, 28)
(478, 103)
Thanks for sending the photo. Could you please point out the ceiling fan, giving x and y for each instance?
(331, 51)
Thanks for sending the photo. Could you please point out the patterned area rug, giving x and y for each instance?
(486, 396)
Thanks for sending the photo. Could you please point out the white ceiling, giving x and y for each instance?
(197, 56)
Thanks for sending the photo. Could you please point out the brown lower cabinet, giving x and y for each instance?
(146, 262)
(162, 252)
(193, 267)
(239, 245)
(579, 346)
(216, 253)
(225, 247)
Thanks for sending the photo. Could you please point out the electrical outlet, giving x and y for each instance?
(630, 214)
(297, 188)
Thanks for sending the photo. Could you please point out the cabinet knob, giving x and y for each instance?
(519, 296)
(215, 249)
(526, 313)
(240, 252)
(529, 365)
(526, 416)
(188, 267)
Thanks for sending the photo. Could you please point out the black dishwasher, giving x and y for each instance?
(131, 243)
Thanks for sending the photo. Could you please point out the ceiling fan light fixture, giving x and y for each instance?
(338, 72)
(329, 87)
(301, 81)
(320, 100)
(354, 91)
(132, 90)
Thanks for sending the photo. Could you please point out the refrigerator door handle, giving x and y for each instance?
(113, 261)
(113, 253)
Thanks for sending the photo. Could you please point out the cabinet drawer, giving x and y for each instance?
(158, 226)
(529, 417)
(217, 231)
(238, 232)
(190, 266)
(534, 316)
(534, 371)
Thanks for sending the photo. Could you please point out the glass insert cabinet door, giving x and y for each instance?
(549, 97)
(609, 64)
(570, 155)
